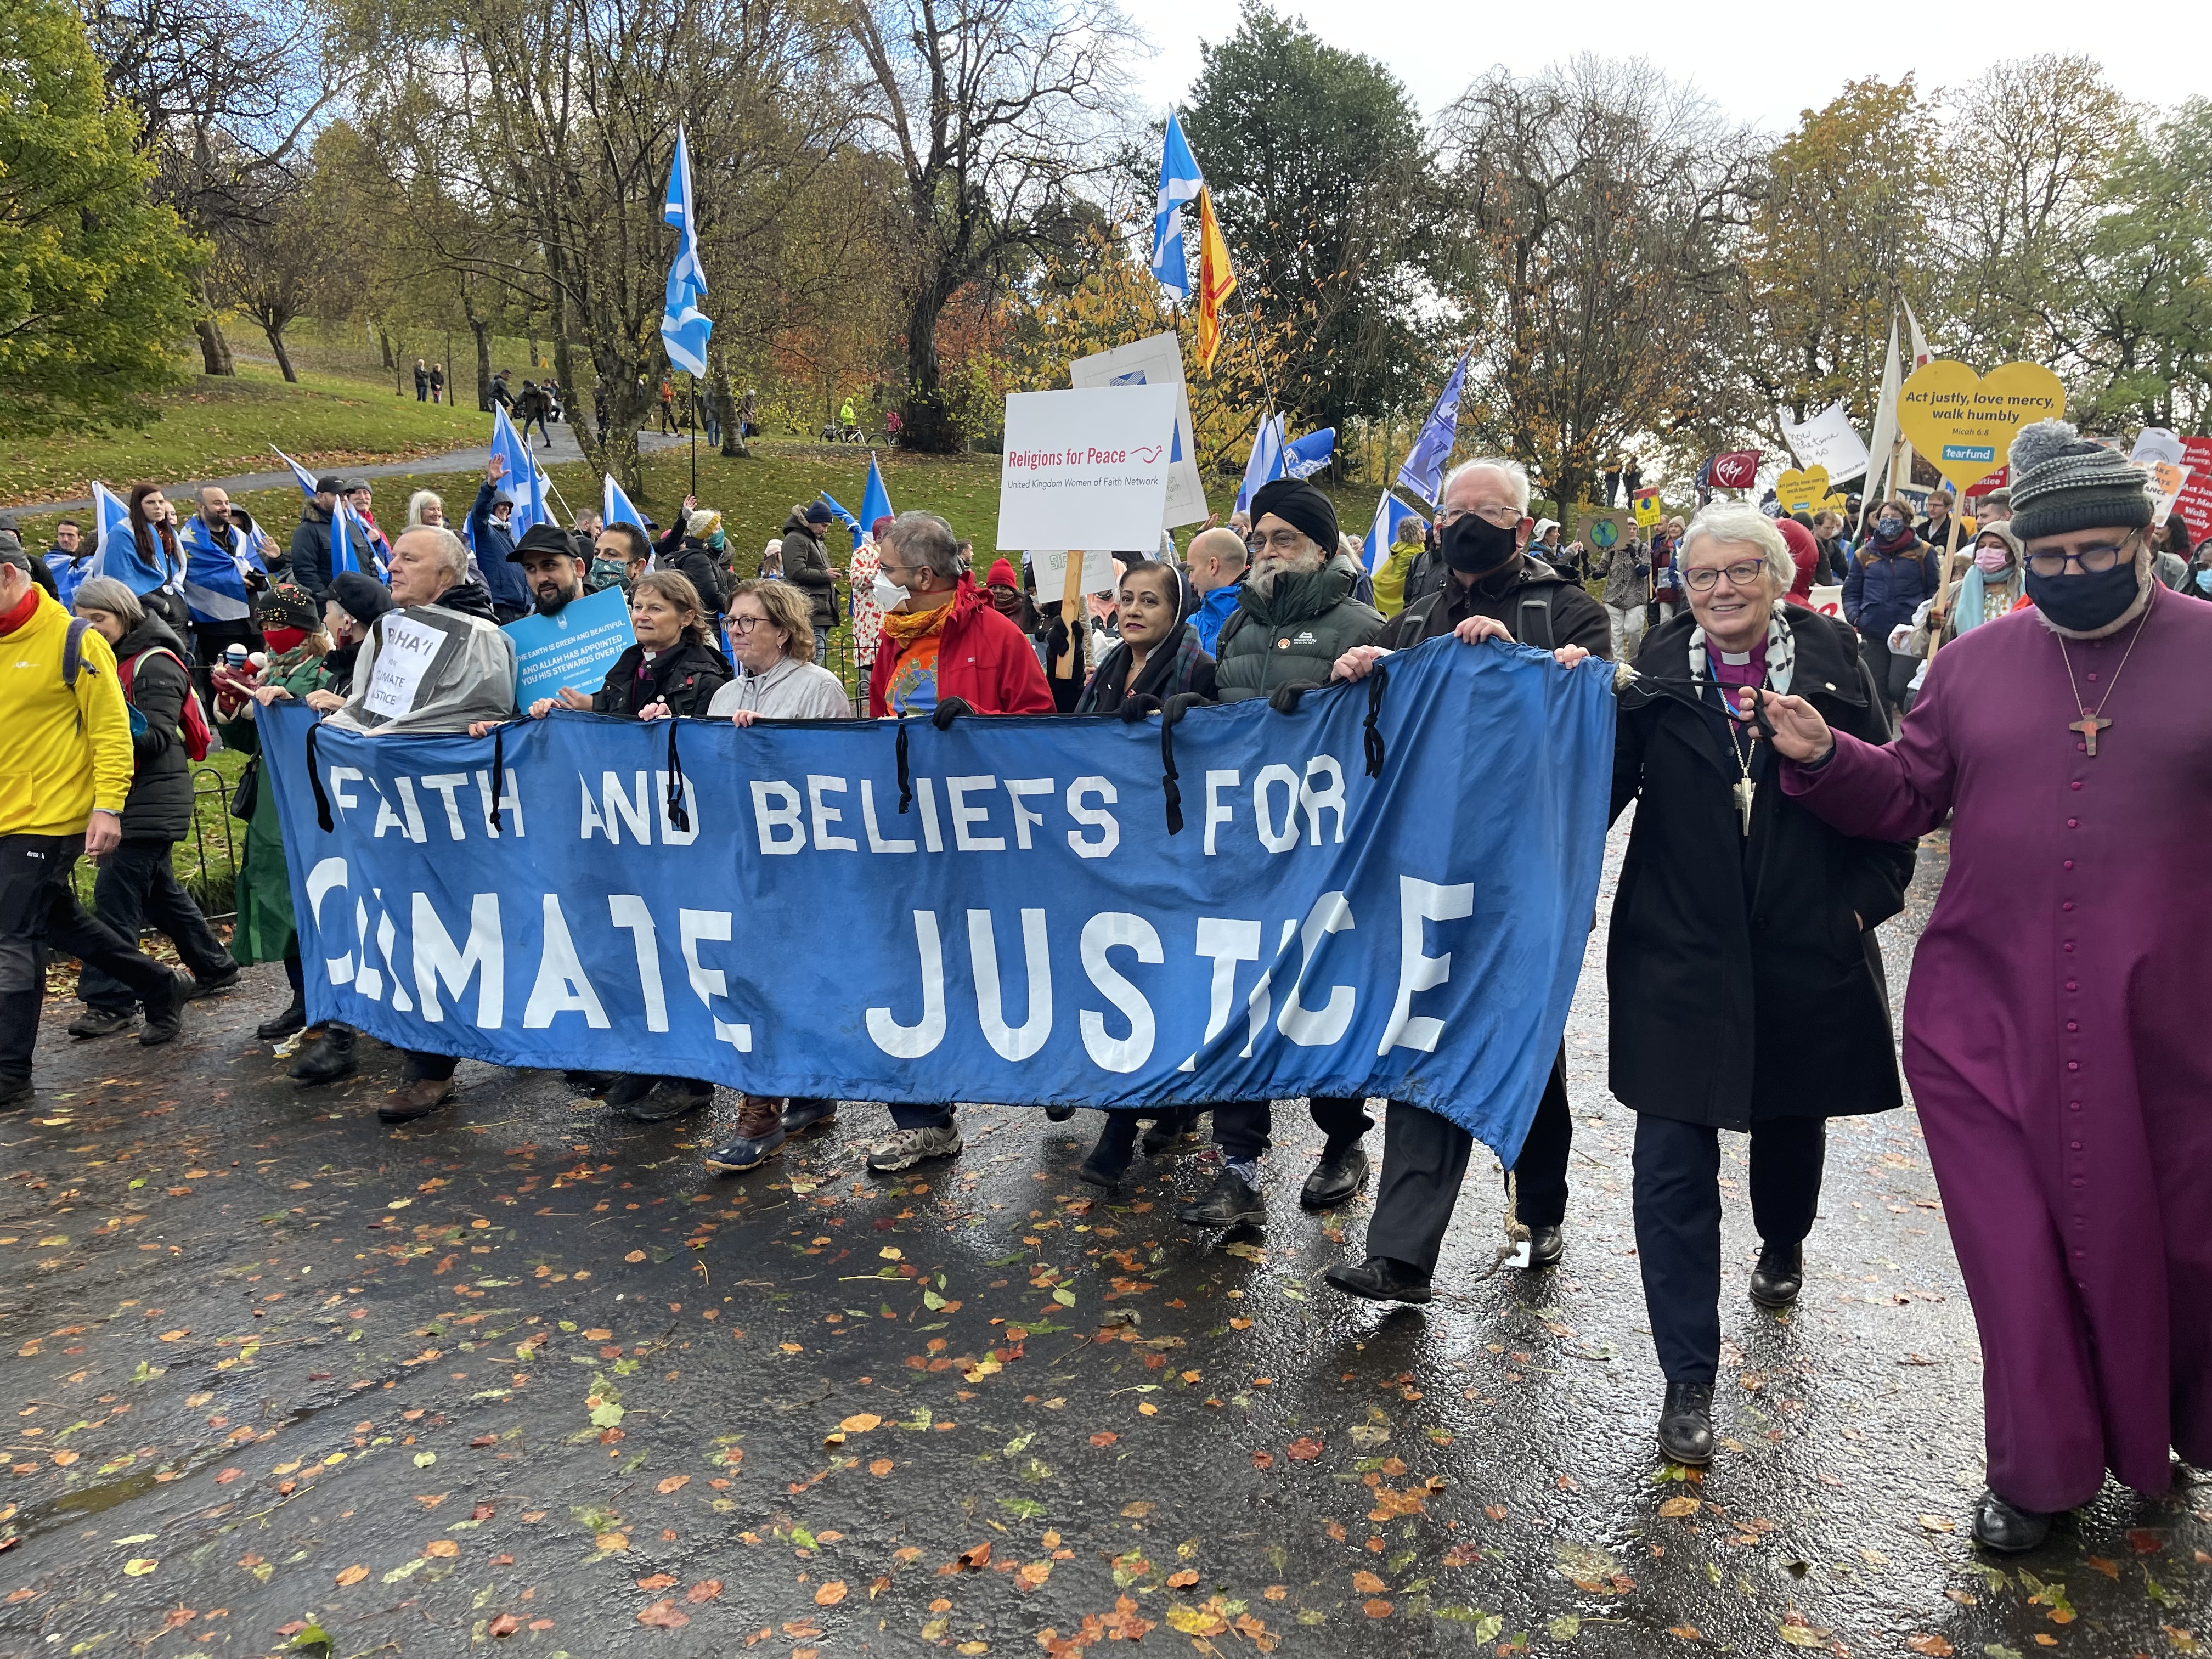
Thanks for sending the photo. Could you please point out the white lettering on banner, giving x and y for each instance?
(1228, 942)
(932, 839)
(628, 911)
(1011, 1042)
(341, 797)
(1262, 1001)
(510, 805)
(1263, 822)
(1101, 934)
(1093, 817)
(369, 981)
(404, 656)
(824, 816)
(445, 784)
(619, 809)
(1318, 1027)
(330, 873)
(485, 958)
(956, 791)
(877, 843)
(692, 926)
(561, 985)
(1025, 820)
(1216, 812)
(1419, 901)
(769, 819)
(913, 1042)
(385, 818)
(1317, 801)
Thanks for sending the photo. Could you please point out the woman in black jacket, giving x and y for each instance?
(138, 885)
(1744, 977)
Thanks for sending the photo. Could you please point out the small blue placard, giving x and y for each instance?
(574, 648)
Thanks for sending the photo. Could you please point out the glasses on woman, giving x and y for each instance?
(745, 624)
(1744, 573)
(2092, 560)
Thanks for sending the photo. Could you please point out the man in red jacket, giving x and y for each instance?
(942, 640)
(942, 636)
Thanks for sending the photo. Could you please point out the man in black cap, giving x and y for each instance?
(552, 567)
(1295, 617)
(1493, 588)
(311, 541)
(493, 543)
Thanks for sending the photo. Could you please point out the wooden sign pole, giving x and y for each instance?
(1943, 604)
(1072, 612)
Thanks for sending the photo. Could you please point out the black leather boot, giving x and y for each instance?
(1779, 1276)
(1379, 1279)
(2006, 1526)
(328, 1057)
(1686, 1423)
(293, 1017)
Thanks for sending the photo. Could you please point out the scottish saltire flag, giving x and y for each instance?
(118, 555)
(875, 501)
(349, 537)
(306, 479)
(1302, 458)
(1180, 182)
(684, 327)
(216, 576)
(618, 507)
(1423, 471)
(523, 480)
(843, 517)
(1389, 514)
(1264, 462)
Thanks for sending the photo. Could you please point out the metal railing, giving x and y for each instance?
(207, 860)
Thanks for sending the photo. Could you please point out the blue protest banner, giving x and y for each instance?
(574, 648)
(1386, 892)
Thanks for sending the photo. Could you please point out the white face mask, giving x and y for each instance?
(889, 594)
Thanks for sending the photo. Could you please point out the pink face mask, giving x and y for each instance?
(1992, 560)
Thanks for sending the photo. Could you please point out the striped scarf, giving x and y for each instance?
(1781, 654)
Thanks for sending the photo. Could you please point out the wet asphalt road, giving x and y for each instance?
(524, 1377)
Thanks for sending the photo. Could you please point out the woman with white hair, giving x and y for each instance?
(426, 507)
(1745, 980)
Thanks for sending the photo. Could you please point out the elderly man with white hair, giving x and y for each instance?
(1492, 589)
(1745, 985)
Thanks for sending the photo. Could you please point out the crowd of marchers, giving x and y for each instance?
(2051, 690)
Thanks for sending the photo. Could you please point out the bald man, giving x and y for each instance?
(1216, 561)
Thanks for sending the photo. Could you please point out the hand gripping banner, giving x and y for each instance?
(1385, 892)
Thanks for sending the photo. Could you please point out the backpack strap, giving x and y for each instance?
(1533, 617)
(73, 651)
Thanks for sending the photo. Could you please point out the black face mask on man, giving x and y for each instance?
(2083, 604)
(1474, 547)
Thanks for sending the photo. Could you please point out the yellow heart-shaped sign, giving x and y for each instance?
(1965, 423)
(1802, 492)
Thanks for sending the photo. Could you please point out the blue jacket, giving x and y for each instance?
(1880, 592)
(492, 541)
(1214, 609)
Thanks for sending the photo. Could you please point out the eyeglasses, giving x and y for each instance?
(1745, 574)
(745, 624)
(1283, 541)
(1503, 517)
(2093, 561)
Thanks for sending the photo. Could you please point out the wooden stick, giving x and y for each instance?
(1072, 612)
(1943, 604)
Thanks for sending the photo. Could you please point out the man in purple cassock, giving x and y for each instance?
(2053, 1028)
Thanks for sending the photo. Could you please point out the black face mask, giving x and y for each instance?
(2087, 602)
(1474, 547)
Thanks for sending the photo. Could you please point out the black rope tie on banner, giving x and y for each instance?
(315, 778)
(1171, 713)
(906, 782)
(679, 819)
(1377, 678)
(498, 774)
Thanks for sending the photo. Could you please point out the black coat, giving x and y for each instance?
(1524, 599)
(159, 805)
(806, 567)
(1740, 987)
(694, 561)
(684, 676)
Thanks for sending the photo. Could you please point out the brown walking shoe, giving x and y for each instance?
(416, 1099)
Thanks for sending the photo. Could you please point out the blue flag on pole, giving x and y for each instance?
(875, 501)
(343, 529)
(307, 479)
(118, 555)
(843, 517)
(1264, 462)
(1027, 931)
(1389, 514)
(1302, 458)
(1423, 471)
(1180, 182)
(684, 327)
(523, 480)
(618, 508)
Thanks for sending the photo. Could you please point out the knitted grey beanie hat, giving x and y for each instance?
(2063, 481)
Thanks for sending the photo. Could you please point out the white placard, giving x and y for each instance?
(1156, 362)
(403, 655)
(1086, 468)
(1052, 574)
(1829, 439)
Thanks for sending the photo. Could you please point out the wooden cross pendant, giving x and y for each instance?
(1744, 796)
(2088, 725)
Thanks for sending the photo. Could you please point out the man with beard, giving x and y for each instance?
(223, 571)
(1295, 617)
(550, 566)
(1492, 590)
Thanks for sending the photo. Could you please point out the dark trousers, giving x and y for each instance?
(1117, 1141)
(1425, 1159)
(39, 912)
(137, 888)
(1892, 670)
(421, 1067)
(542, 432)
(1677, 1224)
(921, 1117)
(1241, 1127)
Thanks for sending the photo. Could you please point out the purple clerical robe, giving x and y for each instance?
(2057, 1035)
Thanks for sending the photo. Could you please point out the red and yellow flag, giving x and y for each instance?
(1216, 281)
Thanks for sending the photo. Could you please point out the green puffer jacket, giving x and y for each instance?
(1296, 633)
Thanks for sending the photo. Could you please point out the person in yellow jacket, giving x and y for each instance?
(65, 766)
(1397, 564)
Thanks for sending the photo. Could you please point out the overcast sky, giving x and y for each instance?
(1757, 67)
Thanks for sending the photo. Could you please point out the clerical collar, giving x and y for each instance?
(1734, 659)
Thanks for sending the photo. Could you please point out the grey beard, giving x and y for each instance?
(1262, 579)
